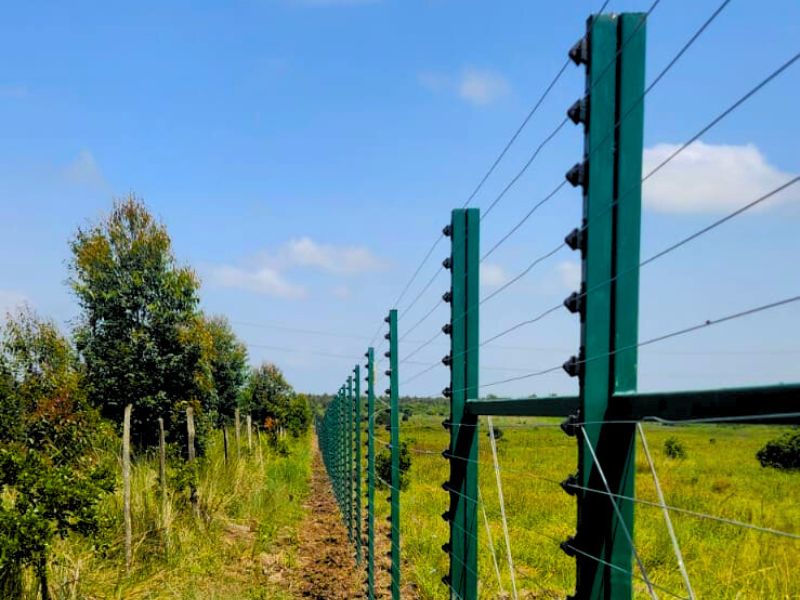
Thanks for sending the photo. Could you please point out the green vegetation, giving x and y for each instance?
(719, 476)
(383, 464)
(249, 511)
(674, 448)
(781, 453)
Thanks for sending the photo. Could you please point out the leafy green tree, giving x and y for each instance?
(383, 465)
(138, 334)
(50, 481)
(273, 403)
(229, 369)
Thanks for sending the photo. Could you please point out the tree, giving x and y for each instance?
(229, 367)
(138, 334)
(50, 484)
(273, 402)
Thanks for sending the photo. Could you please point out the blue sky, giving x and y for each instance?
(305, 155)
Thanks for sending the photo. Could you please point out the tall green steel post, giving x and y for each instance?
(370, 380)
(357, 446)
(394, 423)
(349, 471)
(462, 453)
(610, 174)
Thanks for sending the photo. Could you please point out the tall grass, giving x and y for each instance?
(249, 510)
(719, 475)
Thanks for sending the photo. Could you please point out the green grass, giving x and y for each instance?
(720, 476)
(250, 509)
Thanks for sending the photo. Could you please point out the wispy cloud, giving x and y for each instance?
(479, 87)
(268, 273)
(84, 170)
(346, 260)
(262, 280)
(492, 275)
(709, 178)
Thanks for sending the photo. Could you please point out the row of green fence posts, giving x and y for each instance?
(339, 433)
(603, 415)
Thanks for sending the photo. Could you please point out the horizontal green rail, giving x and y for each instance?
(755, 404)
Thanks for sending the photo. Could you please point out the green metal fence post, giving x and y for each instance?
(349, 473)
(370, 379)
(394, 424)
(610, 174)
(357, 446)
(462, 486)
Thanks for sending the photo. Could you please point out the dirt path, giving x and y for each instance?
(326, 567)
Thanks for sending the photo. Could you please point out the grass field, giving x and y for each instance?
(248, 507)
(719, 476)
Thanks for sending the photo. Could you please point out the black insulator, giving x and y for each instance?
(568, 485)
(446, 454)
(366, 354)
(570, 425)
(447, 392)
(447, 329)
(447, 360)
(447, 296)
(388, 354)
(446, 424)
(447, 231)
(446, 580)
(447, 263)
(579, 112)
(579, 53)
(577, 175)
(446, 486)
(567, 546)
(387, 336)
(388, 372)
(574, 302)
(572, 366)
(446, 547)
(386, 319)
(575, 239)
(447, 516)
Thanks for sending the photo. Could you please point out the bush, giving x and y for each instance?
(383, 464)
(498, 433)
(781, 453)
(674, 448)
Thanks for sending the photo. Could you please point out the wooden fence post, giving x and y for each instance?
(162, 476)
(126, 486)
(190, 432)
(237, 426)
(249, 433)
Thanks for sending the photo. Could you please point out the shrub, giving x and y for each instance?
(674, 448)
(383, 464)
(781, 453)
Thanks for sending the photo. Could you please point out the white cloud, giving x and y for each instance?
(492, 275)
(708, 178)
(569, 274)
(84, 170)
(482, 87)
(263, 280)
(266, 273)
(476, 86)
(10, 301)
(346, 260)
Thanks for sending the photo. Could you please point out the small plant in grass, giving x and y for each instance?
(383, 464)
(781, 453)
(674, 448)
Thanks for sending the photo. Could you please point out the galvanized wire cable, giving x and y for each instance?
(667, 520)
(491, 543)
(620, 518)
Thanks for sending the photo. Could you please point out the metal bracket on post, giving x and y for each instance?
(394, 438)
(462, 486)
(610, 175)
(370, 380)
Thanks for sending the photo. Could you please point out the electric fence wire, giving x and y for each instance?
(497, 161)
(669, 249)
